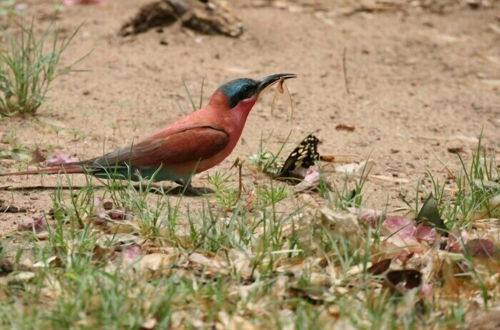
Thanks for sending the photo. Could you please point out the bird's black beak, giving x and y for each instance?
(269, 80)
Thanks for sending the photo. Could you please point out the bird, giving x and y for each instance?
(189, 145)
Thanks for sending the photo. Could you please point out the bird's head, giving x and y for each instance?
(247, 90)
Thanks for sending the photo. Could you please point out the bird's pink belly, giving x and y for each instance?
(213, 161)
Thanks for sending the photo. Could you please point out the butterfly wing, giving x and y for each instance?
(302, 157)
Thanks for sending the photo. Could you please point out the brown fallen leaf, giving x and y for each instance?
(405, 279)
(380, 267)
(210, 264)
(455, 150)
(451, 286)
(345, 127)
(310, 296)
(102, 253)
(6, 266)
(117, 214)
(327, 158)
(482, 248)
(107, 205)
(154, 262)
(37, 156)
(343, 224)
(485, 321)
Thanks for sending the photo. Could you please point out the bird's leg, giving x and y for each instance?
(187, 188)
(150, 187)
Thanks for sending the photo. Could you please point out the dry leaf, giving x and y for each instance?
(107, 205)
(370, 217)
(480, 248)
(54, 261)
(37, 224)
(211, 264)
(154, 262)
(132, 253)
(233, 322)
(117, 214)
(380, 267)
(21, 277)
(37, 156)
(403, 280)
(486, 320)
(149, 324)
(455, 150)
(404, 229)
(327, 158)
(344, 224)
(345, 127)
(356, 168)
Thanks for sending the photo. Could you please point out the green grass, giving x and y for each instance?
(265, 259)
(29, 63)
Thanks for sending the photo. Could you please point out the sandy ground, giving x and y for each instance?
(419, 84)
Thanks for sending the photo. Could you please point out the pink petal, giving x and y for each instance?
(370, 217)
(76, 2)
(480, 248)
(426, 290)
(37, 224)
(58, 159)
(425, 233)
(402, 227)
(453, 245)
(311, 180)
(132, 252)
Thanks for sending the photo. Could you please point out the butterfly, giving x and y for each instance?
(302, 157)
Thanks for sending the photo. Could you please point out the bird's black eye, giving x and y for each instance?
(247, 91)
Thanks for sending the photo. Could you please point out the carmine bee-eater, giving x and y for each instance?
(190, 145)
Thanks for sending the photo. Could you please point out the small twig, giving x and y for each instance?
(290, 114)
(280, 89)
(240, 180)
(239, 164)
(344, 68)
(39, 187)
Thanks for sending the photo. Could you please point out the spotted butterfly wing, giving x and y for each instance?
(301, 158)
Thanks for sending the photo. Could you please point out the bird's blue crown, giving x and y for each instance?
(239, 89)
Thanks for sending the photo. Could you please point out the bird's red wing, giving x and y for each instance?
(192, 144)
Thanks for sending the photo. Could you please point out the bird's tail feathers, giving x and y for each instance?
(71, 168)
